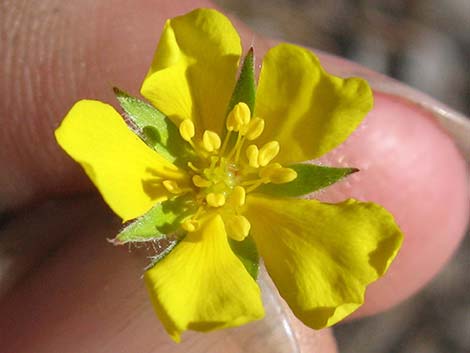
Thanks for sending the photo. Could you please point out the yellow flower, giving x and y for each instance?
(220, 192)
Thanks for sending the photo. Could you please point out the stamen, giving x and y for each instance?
(235, 148)
(223, 174)
(268, 152)
(200, 182)
(254, 129)
(268, 170)
(252, 153)
(224, 145)
(282, 175)
(187, 132)
(254, 181)
(237, 227)
(194, 168)
(190, 225)
(215, 199)
(199, 212)
(238, 117)
(210, 141)
(214, 161)
(256, 185)
(238, 196)
(187, 129)
(173, 187)
(239, 149)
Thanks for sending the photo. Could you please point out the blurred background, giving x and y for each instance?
(425, 43)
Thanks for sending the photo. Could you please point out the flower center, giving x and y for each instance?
(226, 172)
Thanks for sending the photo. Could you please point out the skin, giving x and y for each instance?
(64, 288)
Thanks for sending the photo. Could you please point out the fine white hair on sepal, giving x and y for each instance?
(161, 251)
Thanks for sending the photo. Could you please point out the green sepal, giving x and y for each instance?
(245, 88)
(155, 129)
(247, 252)
(310, 178)
(162, 221)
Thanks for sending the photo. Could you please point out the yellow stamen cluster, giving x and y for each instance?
(222, 178)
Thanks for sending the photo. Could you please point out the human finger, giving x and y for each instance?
(36, 174)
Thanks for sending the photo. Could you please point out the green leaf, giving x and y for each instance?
(247, 252)
(310, 178)
(245, 89)
(157, 130)
(162, 220)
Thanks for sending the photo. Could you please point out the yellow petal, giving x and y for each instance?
(193, 72)
(322, 256)
(124, 169)
(201, 285)
(306, 110)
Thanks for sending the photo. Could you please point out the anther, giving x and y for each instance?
(254, 129)
(172, 186)
(252, 153)
(282, 175)
(210, 141)
(215, 199)
(266, 172)
(238, 117)
(190, 225)
(237, 227)
(268, 152)
(238, 196)
(187, 129)
(200, 182)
